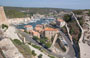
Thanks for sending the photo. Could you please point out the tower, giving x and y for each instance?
(3, 19)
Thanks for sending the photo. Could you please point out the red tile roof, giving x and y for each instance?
(39, 25)
(50, 29)
(28, 26)
(60, 20)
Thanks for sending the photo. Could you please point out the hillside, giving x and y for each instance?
(13, 12)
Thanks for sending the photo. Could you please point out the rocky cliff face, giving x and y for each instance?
(3, 19)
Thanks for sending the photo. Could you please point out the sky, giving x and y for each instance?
(70, 4)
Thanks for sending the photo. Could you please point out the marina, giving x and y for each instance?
(35, 22)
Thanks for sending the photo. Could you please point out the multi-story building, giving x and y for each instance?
(28, 27)
(60, 22)
(35, 33)
(50, 32)
(39, 28)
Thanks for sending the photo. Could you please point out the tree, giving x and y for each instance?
(48, 45)
(40, 56)
(46, 38)
(42, 41)
(78, 12)
(67, 17)
(35, 38)
(33, 53)
(4, 26)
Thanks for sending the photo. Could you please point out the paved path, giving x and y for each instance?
(84, 48)
(71, 52)
(69, 33)
(82, 34)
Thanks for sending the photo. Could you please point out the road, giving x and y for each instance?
(69, 54)
(68, 31)
(82, 34)
(84, 49)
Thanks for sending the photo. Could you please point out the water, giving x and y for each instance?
(41, 21)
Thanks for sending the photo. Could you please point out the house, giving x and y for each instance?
(39, 28)
(60, 22)
(35, 33)
(28, 27)
(50, 32)
(21, 30)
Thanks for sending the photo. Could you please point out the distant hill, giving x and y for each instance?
(13, 12)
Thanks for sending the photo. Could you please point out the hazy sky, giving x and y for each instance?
(72, 4)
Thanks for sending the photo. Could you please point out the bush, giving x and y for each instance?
(40, 56)
(4, 26)
(36, 47)
(64, 49)
(67, 17)
(17, 41)
(51, 56)
(35, 38)
(42, 41)
(47, 45)
(33, 53)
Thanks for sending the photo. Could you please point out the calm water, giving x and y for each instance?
(42, 21)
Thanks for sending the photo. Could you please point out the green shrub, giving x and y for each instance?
(42, 41)
(4, 26)
(51, 56)
(17, 41)
(48, 45)
(35, 38)
(33, 53)
(35, 46)
(67, 17)
(40, 56)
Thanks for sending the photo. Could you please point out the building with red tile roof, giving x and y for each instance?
(60, 22)
(35, 33)
(28, 27)
(39, 28)
(50, 32)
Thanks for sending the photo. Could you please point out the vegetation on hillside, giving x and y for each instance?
(33, 53)
(24, 49)
(4, 26)
(43, 41)
(67, 17)
(40, 56)
(78, 12)
(14, 12)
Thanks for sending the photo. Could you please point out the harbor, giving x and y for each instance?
(35, 22)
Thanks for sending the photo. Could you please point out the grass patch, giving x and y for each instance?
(24, 49)
(35, 46)
(51, 56)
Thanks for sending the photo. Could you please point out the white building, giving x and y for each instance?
(28, 27)
(60, 22)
